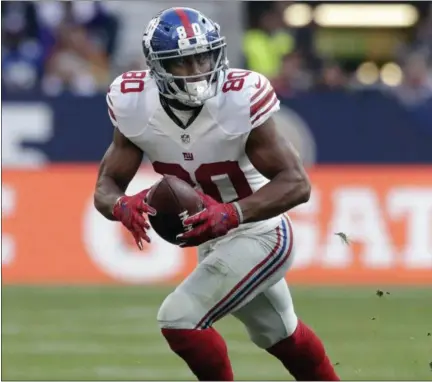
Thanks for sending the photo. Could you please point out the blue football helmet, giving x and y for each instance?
(180, 32)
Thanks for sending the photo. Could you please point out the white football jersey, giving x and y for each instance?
(210, 153)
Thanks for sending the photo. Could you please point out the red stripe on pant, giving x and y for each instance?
(278, 265)
(262, 264)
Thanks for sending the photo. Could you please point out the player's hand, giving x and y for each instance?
(212, 222)
(206, 199)
(129, 210)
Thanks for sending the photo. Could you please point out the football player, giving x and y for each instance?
(212, 126)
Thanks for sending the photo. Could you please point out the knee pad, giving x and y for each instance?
(178, 311)
(274, 330)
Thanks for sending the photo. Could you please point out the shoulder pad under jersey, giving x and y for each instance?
(132, 100)
(248, 100)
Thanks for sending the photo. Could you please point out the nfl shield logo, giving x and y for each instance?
(185, 138)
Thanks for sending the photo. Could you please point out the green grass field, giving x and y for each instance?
(104, 333)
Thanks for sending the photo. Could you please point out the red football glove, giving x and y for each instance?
(214, 221)
(207, 199)
(129, 210)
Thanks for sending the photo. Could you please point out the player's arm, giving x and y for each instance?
(118, 167)
(271, 155)
(274, 157)
(289, 186)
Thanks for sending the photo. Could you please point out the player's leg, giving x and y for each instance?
(273, 325)
(234, 272)
(204, 351)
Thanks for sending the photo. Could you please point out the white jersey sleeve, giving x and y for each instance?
(262, 99)
(112, 92)
(247, 101)
(129, 103)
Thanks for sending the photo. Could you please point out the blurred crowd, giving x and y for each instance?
(57, 46)
(70, 46)
(288, 56)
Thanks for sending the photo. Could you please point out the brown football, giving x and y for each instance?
(174, 200)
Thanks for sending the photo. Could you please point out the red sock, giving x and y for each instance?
(304, 356)
(204, 351)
